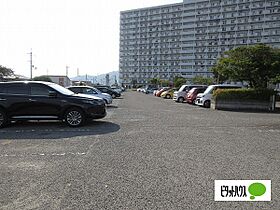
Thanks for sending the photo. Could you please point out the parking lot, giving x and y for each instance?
(147, 153)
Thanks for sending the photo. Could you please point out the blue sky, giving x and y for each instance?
(81, 34)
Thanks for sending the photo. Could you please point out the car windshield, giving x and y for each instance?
(182, 88)
(208, 90)
(192, 90)
(96, 90)
(201, 90)
(61, 89)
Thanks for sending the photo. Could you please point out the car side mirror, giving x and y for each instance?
(52, 94)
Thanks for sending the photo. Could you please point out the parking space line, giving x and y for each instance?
(44, 154)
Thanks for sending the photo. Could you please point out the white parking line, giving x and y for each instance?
(44, 154)
(46, 130)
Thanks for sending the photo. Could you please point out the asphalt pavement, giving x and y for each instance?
(147, 153)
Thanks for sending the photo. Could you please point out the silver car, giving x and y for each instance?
(92, 91)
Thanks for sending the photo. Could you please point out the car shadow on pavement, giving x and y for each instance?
(111, 107)
(276, 111)
(55, 130)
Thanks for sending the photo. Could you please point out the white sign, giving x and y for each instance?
(242, 190)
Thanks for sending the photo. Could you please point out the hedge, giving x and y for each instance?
(243, 94)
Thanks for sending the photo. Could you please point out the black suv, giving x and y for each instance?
(105, 89)
(28, 100)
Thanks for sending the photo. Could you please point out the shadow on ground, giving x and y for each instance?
(276, 111)
(111, 106)
(55, 130)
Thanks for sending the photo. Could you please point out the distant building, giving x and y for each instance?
(185, 39)
(60, 80)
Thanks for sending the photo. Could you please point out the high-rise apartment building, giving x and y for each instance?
(185, 39)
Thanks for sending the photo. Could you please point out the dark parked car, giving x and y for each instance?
(108, 90)
(47, 101)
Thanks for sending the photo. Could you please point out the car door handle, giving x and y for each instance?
(32, 100)
(3, 99)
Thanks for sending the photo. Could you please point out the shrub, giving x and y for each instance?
(42, 78)
(243, 94)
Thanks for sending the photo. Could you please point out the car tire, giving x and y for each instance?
(74, 117)
(181, 100)
(168, 96)
(206, 104)
(113, 95)
(3, 118)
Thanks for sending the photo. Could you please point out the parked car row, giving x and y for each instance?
(30, 100)
(193, 94)
(91, 91)
(181, 95)
(35, 100)
(115, 93)
(146, 90)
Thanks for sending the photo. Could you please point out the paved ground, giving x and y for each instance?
(148, 153)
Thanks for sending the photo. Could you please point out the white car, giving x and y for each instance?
(204, 99)
(92, 91)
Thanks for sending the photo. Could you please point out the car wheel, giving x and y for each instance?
(113, 95)
(3, 118)
(207, 104)
(181, 100)
(168, 96)
(193, 101)
(74, 117)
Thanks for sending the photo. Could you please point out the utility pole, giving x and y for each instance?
(67, 67)
(78, 72)
(31, 64)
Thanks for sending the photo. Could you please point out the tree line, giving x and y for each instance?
(258, 65)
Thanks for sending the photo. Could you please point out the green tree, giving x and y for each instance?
(258, 65)
(134, 82)
(276, 79)
(155, 81)
(164, 82)
(4, 72)
(203, 80)
(179, 81)
(42, 78)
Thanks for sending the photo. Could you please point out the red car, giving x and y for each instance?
(158, 93)
(191, 95)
